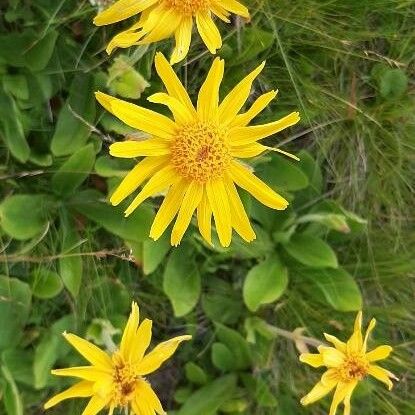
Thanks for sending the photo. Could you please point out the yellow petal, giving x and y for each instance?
(219, 202)
(331, 356)
(145, 392)
(236, 7)
(81, 389)
(248, 181)
(124, 39)
(159, 355)
(91, 373)
(370, 328)
(95, 405)
(167, 22)
(141, 341)
(220, 12)
(258, 106)
(157, 183)
(355, 343)
(234, 101)
(168, 209)
(319, 391)
(247, 135)
(380, 353)
(135, 177)
(191, 200)
(248, 150)
(208, 99)
(204, 219)
(208, 31)
(172, 83)
(342, 391)
(339, 345)
(121, 10)
(183, 37)
(382, 374)
(180, 112)
(137, 117)
(130, 149)
(240, 220)
(312, 359)
(92, 353)
(346, 402)
(130, 330)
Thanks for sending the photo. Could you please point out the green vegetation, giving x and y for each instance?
(70, 261)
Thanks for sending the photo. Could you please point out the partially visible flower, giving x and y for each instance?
(117, 380)
(195, 157)
(161, 19)
(347, 363)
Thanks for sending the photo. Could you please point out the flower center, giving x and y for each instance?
(354, 367)
(200, 152)
(124, 381)
(188, 7)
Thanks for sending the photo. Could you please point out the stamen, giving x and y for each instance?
(188, 7)
(355, 367)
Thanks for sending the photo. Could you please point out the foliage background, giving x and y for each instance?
(70, 262)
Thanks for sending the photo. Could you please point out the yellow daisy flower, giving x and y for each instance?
(347, 363)
(161, 19)
(117, 380)
(195, 156)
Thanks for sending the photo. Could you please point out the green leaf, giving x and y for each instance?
(222, 357)
(265, 283)
(24, 216)
(393, 83)
(73, 125)
(16, 85)
(107, 166)
(19, 362)
(195, 374)
(312, 170)
(134, 228)
(208, 399)
(263, 394)
(15, 302)
(70, 265)
(11, 128)
(311, 251)
(181, 281)
(236, 343)
(46, 283)
(11, 397)
(39, 54)
(74, 171)
(154, 252)
(282, 173)
(338, 287)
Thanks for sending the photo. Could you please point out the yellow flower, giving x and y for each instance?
(347, 363)
(195, 156)
(117, 380)
(161, 19)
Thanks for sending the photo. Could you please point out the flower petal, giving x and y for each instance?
(204, 218)
(342, 391)
(159, 355)
(319, 391)
(133, 148)
(137, 117)
(382, 375)
(91, 373)
(355, 343)
(124, 39)
(208, 31)
(248, 150)
(219, 202)
(338, 344)
(248, 181)
(141, 341)
(331, 356)
(180, 112)
(312, 359)
(183, 37)
(237, 97)
(370, 328)
(208, 99)
(191, 200)
(247, 135)
(380, 353)
(145, 392)
(95, 405)
(144, 169)
(167, 22)
(236, 7)
(130, 330)
(92, 353)
(81, 389)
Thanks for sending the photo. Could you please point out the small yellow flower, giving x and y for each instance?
(161, 19)
(195, 156)
(347, 363)
(117, 380)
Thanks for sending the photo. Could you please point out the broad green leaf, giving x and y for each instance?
(16, 85)
(46, 283)
(107, 166)
(338, 287)
(311, 251)
(70, 265)
(24, 216)
(19, 362)
(134, 228)
(73, 125)
(11, 397)
(235, 406)
(263, 394)
(222, 357)
(181, 281)
(265, 283)
(154, 252)
(313, 171)
(11, 128)
(236, 343)
(74, 171)
(208, 399)
(15, 302)
(195, 374)
(40, 52)
(393, 83)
